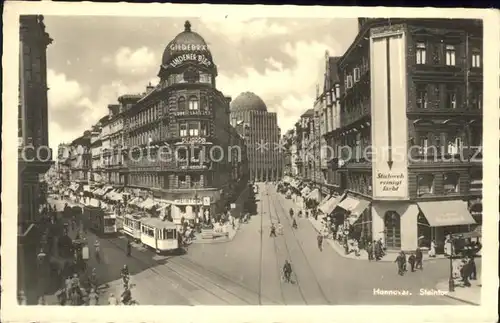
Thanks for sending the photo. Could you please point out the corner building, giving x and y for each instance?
(412, 91)
(260, 129)
(183, 125)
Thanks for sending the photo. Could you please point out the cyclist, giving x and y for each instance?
(125, 275)
(126, 296)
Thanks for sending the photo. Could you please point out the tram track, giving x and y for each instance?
(323, 294)
(276, 248)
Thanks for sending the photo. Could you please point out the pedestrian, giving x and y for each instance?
(21, 299)
(320, 242)
(419, 259)
(465, 272)
(273, 231)
(411, 260)
(400, 261)
(68, 284)
(472, 269)
(129, 248)
(294, 223)
(112, 299)
(280, 228)
(369, 251)
(404, 262)
(93, 298)
(432, 250)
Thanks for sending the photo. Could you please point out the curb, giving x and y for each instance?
(229, 239)
(462, 300)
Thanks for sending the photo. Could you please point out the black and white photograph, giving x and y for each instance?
(194, 158)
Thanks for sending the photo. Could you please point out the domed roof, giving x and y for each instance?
(186, 41)
(248, 101)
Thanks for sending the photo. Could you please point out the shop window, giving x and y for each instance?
(421, 53)
(425, 184)
(181, 104)
(193, 103)
(182, 179)
(451, 183)
(424, 231)
(182, 209)
(450, 53)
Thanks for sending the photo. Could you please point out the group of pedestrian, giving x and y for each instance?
(415, 260)
(375, 250)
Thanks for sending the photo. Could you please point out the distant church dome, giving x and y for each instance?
(187, 41)
(248, 101)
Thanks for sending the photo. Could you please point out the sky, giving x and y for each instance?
(95, 59)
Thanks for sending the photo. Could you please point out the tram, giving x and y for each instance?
(132, 226)
(162, 236)
(100, 221)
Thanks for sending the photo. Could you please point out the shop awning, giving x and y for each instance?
(86, 188)
(476, 233)
(133, 201)
(331, 204)
(445, 213)
(286, 179)
(314, 195)
(354, 206)
(323, 202)
(149, 204)
(146, 203)
(306, 190)
(163, 205)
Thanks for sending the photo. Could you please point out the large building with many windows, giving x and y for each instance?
(34, 156)
(260, 129)
(179, 136)
(411, 113)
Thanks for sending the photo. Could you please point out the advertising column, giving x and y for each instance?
(389, 138)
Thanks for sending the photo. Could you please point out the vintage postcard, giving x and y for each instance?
(246, 160)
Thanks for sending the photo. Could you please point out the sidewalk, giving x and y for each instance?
(470, 295)
(363, 255)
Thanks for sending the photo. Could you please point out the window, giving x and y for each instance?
(148, 231)
(425, 184)
(193, 129)
(182, 154)
(169, 234)
(476, 181)
(421, 53)
(454, 145)
(451, 97)
(423, 145)
(422, 96)
(349, 81)
(450, 55)
(195, 154)
(476, 99)
(451, 182)
(182, 179)
(193, 103)
(195, 180)
(181, 104)
(476, 58)
(183, 130)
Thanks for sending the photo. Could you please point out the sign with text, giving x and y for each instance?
(194, 140)
(389, 121)
(206, 201)
(187, 202)
(190, 57)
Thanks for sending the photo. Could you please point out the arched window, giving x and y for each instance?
(392, 221)
(181, 104)
(204, 103)
(193, 103)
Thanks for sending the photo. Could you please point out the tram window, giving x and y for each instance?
(148, 231)
(137, 225)
(170, 234)
(159, 234)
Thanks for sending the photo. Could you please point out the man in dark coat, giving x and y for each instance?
(400, 261)
(418, 259)
(411, 261)
(129, 248)
(369, 250)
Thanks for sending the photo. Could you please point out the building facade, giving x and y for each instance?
(305, 138)
(251, 119)
(181, 127)
(63, 166)
(95, 151)
(32, 137)
(414, 171)
(81, 160)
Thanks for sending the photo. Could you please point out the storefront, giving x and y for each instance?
(328, 207)
(357, 215)
(192, 208)
(437, 219)
(407, 225)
